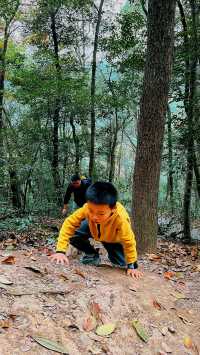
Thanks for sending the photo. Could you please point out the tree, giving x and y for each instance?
(153, 106)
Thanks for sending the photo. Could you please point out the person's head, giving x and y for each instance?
(76, 180)
(101, 198)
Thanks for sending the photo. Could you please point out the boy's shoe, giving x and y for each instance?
(91, 259)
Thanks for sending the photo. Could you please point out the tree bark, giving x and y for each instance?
(113, 147)
(153, 106)
(76, 144)
(170, 183)
(93, 87)
(56, 116)
(15, 189)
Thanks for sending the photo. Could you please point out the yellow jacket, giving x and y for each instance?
(116, 229)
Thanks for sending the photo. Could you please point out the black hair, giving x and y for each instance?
(75, 177)
(102, 193)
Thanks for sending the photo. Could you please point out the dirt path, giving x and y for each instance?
(54, 302)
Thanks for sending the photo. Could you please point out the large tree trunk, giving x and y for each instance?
(170, 183)
(191, 59)
(56, 116)
(93, 86)
(161, 14)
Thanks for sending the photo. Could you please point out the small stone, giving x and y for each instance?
(166, 348)
(171, 330)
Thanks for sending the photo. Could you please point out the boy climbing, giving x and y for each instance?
(107, 222)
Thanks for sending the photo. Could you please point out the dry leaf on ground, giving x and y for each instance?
(10, 260)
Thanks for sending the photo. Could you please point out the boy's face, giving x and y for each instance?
(99, 213)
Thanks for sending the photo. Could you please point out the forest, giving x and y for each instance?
(109, 90)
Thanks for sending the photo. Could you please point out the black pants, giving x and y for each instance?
(81, 242)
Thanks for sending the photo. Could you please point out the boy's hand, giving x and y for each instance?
(64, 211)
(135, 273)
(59, 258)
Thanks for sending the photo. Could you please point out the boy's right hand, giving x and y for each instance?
(59, 258)
(64, 211)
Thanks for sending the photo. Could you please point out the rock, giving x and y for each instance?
(166, 348)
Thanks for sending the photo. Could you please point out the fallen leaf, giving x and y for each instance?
(105, 329)
(154, 257)
(89, 323)
(169, 274)
(64, 277)
(5, 323)
(194, 252)
(80, 273)
(184, 319)
(187, 342)
(197, 268)
(95, 310)
(132, 289)
(10, 260)
(178, 295)
(164, 331)
(179, 275)
(157, 305)
(51, 345)
(166, 348)
(140, 330)
(5, 281)
(34, 269)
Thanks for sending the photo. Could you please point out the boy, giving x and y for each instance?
(107, 222)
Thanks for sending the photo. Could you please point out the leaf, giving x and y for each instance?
(154, 257)
(157, 305)
(187, 342)
(10, 260)
(105, 329)
(64, 277)
(178, 295)
(80, 273)
(51, 345)
(140, 330)
(5, 323)
(166, 348)
(31, 268)
(5, 281)
(184, 319)
(95, 309)
(89, 323)
(169, 274)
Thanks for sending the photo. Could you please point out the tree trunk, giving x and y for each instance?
(56, 116)
(76, 144)
(170, 183)
(197, 174)
(93, 86)
(193, 50)
(113, 147)
(160, 25)
(15, 189)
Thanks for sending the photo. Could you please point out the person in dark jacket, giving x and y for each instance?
(77, 186)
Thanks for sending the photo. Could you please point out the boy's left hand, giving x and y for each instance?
(135, 273)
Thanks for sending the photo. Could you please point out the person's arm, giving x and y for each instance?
(66, 199)
(67, 231)
(129, 245)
